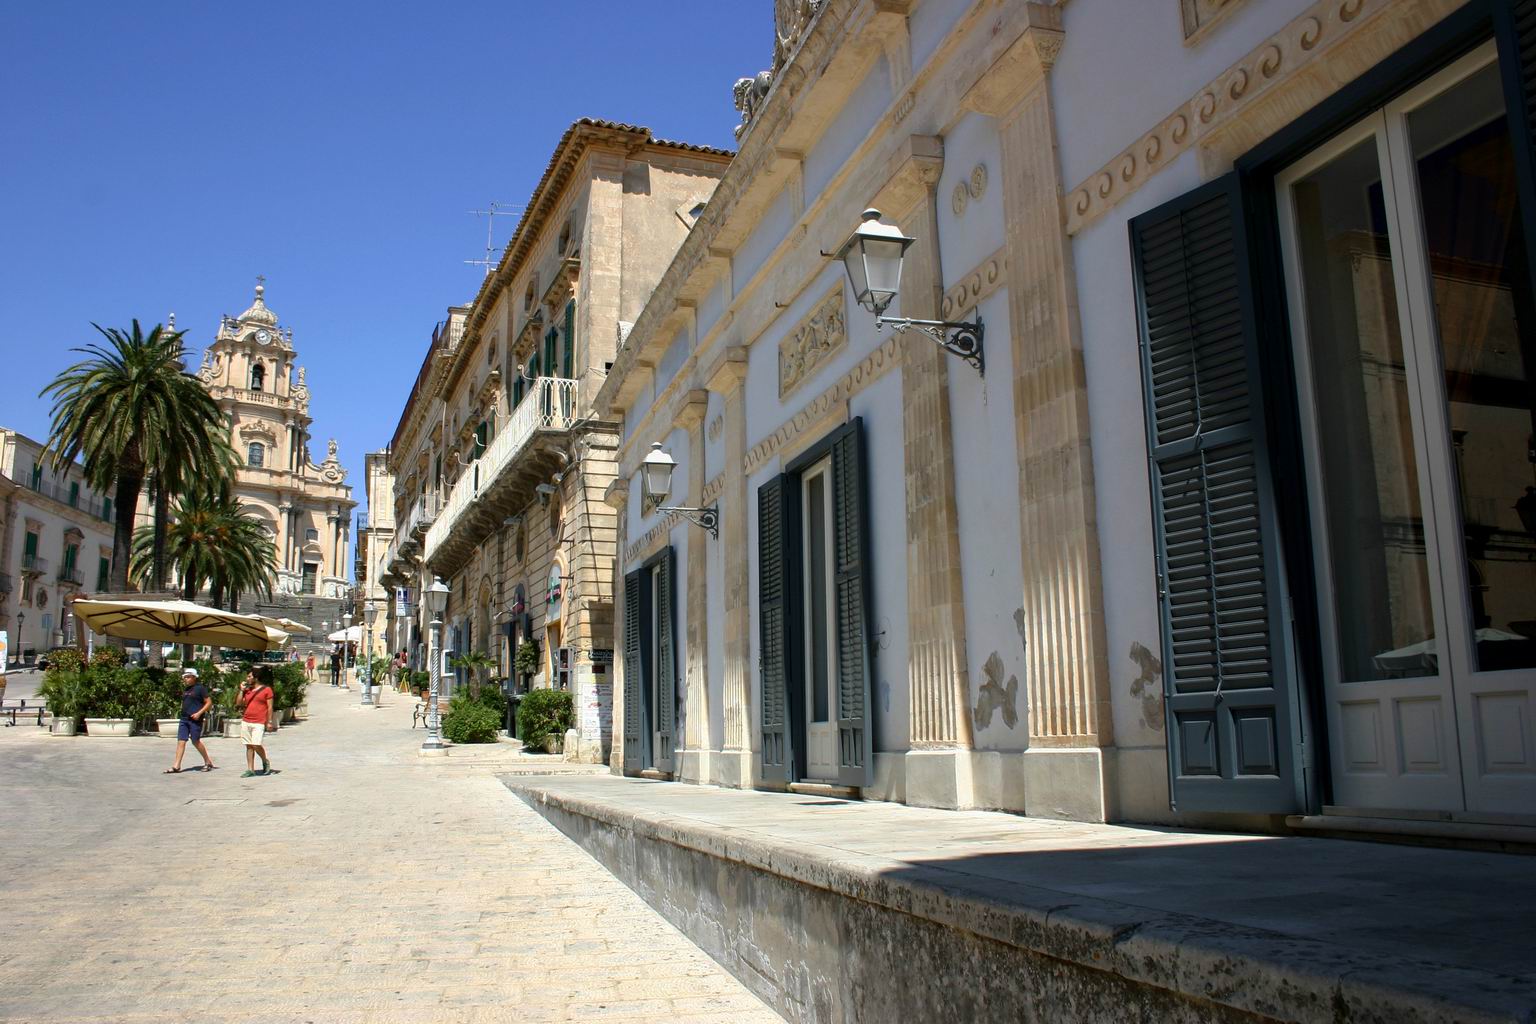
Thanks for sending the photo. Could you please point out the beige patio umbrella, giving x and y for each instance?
(181, 622)
(285, 624)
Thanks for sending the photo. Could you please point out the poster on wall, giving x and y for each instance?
(5, 650)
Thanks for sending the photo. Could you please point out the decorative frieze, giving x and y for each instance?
(812, 342)
(1309, 40)
(970, 188)
(977, 285)
(868, 370)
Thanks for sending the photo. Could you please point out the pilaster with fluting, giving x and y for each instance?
(726, 379)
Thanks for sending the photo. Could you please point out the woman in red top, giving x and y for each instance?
(256, 700)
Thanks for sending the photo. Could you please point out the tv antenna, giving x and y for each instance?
(492, 254)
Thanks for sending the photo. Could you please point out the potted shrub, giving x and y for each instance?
(62, 690)
(470, 721)
(166, 701)
(526, 661)
(543, 716)
(117, 699)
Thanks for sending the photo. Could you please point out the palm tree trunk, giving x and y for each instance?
(189, 592)
(162, 518)
(125, 509)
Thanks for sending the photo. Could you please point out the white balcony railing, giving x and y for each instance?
(549, 406)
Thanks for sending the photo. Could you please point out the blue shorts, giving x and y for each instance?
(189, 730)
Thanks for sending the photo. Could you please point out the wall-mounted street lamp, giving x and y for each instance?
(873, 255)
(656, 483)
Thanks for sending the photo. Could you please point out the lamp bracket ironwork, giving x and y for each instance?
(961, 339)
(707, 518)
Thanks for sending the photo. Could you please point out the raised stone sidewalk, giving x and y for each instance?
(846, 911)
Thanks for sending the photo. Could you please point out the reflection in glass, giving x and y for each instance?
(1486, 324)
(1370, 487)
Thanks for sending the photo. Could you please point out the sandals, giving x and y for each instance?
(172, 771)
(205, 768)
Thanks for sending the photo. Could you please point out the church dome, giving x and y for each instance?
(259, 313)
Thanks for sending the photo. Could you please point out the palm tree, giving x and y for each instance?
(128, 410)
(211, 540)
(473, 662)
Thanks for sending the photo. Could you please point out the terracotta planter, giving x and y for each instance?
(109, 727)
(64, 726)
(167, 727)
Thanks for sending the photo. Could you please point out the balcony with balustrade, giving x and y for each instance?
(72, 575)
(526, 453)
(34, 565)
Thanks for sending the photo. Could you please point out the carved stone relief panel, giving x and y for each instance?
(812, 341)
(1200, 15)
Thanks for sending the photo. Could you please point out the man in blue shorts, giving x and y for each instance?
(195, 703)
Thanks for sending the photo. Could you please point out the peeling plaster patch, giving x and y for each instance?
(1018, 620)
(1148, 686)
(994, 696)
(885, 695)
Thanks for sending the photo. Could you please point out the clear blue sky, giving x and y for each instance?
(157, 156)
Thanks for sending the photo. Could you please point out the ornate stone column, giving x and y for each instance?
(695, 746)
(1063, 618)
(938, 767)
(734, 766)
(616, 497)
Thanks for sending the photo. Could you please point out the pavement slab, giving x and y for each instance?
(360, 885)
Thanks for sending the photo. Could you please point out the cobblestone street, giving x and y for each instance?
(359, 884)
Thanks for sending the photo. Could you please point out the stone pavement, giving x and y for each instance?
(360, 884)
(1207, 923)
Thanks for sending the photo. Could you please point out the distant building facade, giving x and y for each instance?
(251, 371)
(375, 539)
(500, 464)
(55, 544)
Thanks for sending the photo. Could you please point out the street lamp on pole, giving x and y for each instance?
(370, 613)
(21, 647)
(435, 598)
(346, 646)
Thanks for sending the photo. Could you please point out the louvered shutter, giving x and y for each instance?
(1515, 27)
(568, 361)
(632, 672)
(666, 659)
(850, 526)
(773, 584)
(1232, 722)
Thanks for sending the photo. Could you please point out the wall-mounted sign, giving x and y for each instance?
(602, 655)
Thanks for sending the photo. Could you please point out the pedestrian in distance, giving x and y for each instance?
(195, 703)
(336, 666)
(309, 667)
(256, 701)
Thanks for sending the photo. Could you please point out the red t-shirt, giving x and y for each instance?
(258, 706)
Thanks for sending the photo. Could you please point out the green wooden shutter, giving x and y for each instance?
(517, 391)
(551, 366)
(633, 673)
(29, 551)
(1233, 726)
(106, 509)
(666, 659)
(1515, 28)
(481, 432)
(850, 535)
(569, 361)
(37, 476)
(774, 579)
(74, 494)
(103, 573)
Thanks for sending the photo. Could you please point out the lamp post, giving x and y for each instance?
(346, 647)
(435, 598)
(872, 256)
(656, 481)
(21, 647)
(370, 613)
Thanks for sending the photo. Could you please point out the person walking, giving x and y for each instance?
(256, 700)
(195, 703)
(309, 667)
(336, 666)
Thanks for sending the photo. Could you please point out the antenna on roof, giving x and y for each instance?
(492, 253)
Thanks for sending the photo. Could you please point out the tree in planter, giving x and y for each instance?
(545, 713)
(526, 661)
(473, 662)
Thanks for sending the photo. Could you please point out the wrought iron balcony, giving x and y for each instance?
(549, 408)
(34, 565)
(72, 574)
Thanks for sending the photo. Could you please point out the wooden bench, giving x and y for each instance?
(11, 710)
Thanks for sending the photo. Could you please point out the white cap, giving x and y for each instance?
(189, 672)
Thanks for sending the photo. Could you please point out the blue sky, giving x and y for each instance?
(157, 156)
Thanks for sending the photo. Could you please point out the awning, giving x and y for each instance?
(179, 622)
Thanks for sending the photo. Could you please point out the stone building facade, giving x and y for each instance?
(251, 370)
(500, 463)
(1015, 617)
(375, 540)
(55, 544)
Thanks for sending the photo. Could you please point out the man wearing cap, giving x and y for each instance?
(195, 703)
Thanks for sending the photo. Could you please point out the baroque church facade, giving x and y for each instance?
(252, 372)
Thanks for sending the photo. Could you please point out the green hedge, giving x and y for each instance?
(469, 721)
(543, 713)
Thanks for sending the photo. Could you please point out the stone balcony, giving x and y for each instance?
(524, 454)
